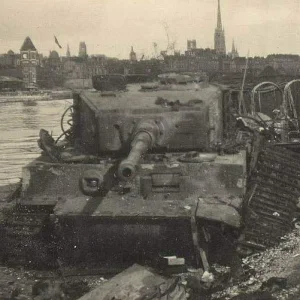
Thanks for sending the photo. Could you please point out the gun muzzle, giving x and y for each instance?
(139, 146)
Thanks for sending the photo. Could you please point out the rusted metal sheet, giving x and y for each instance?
(273, 195)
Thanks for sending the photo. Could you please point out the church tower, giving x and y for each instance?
(132, 55)
(220, 46)
(29, 62)
(82, 50)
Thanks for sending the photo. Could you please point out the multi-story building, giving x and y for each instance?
(74, 68)
(29, 61)
(9, 60)
(10, 65)
(84, 68)
(50, 71)
(96, 65)
(82, 50)
(149, 67)
(200, 52)
(256, 65)
(194, 60)
(184, 63)
(239, 64)
(284, 63)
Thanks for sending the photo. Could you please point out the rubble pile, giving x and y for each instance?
(272, 274)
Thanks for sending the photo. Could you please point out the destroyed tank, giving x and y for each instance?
(153, 169)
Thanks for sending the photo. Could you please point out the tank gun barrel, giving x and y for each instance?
(143, 140)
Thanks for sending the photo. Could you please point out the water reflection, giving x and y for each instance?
(19, 129)
(29, 117)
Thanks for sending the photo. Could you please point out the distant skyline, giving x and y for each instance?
(111, 27)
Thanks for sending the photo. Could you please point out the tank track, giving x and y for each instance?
(271, 202)
(27, 238)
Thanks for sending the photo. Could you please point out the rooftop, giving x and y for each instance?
(28, 45)
(54, 55)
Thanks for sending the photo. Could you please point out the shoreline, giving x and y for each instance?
(47, 96)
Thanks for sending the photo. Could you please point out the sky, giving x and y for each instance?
(111, 27)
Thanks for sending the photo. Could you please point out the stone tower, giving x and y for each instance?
(29, 61)
(132, 55)
(82, 49)
(68, 53)
(220, 46)
(191, 44)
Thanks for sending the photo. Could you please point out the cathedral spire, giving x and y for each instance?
(233, 47)
(220, 45)
(234, 51)
(219, 22)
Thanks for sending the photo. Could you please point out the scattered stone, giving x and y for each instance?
(74, 290)
(251, 280)
(255, 296)
(51, 289)
(274, 284)
(47, 290)
(277, 268)
(15, 293)
(187, 207)
(193, 279)
(297, 225)
(207, 277)
(193, 282)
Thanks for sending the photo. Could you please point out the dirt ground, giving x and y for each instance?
(19, 284)
(272, 274)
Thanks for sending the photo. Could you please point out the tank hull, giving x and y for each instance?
(161, 190)
(153, 215)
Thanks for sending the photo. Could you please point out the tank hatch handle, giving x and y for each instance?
(162, 183)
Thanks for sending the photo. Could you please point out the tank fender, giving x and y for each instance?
(225, 211)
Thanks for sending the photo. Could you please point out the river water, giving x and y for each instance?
(19, 130)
